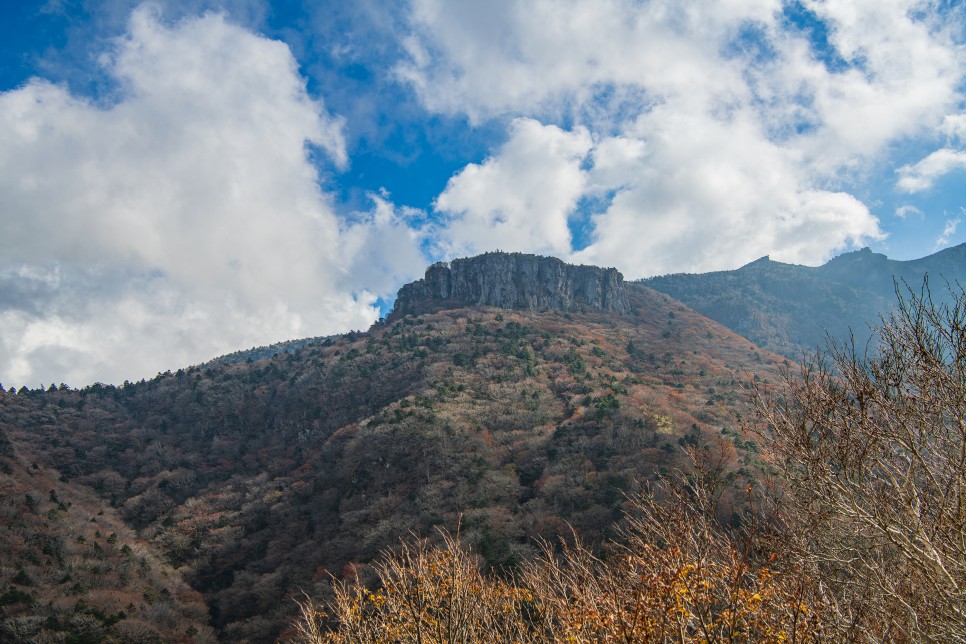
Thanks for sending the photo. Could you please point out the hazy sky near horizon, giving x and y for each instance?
(185, 178)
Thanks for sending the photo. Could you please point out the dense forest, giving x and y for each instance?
(858, 537)
(561, 475)
(258, 479)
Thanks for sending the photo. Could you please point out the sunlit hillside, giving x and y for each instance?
(256, 480)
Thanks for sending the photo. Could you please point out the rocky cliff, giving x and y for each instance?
(514, 281)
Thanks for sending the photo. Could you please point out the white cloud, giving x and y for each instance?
(954, 126)
(519, 199)
(707, 196)
(531, 57)
(724, 133)
(906, 211)
(182, 221)
(922, 175)
(383, 246)
(906, 67)
(947, 234)
(147, 234)
(702, 196)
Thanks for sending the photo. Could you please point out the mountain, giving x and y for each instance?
(514, 281)
(791, 309)
(254, 479)
(71, 567)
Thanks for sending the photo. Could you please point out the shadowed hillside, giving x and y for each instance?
(789, 309)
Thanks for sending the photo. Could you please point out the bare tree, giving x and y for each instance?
(677, 574)
(872, 446)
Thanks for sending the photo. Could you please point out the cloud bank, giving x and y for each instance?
(709, 135)
(185, 219)
(200, 206)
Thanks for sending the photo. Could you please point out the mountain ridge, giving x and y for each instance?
(270, 471)
(792, 309)
(255, 479)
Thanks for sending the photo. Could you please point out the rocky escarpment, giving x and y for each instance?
(514, 281)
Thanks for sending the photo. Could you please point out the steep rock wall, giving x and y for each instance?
(514, 281)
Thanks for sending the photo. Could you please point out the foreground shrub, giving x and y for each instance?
(872, 449)
(676, 575)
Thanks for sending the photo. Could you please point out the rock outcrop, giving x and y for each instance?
(514, 281)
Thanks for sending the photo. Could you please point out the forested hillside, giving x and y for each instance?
(792, 309)
(259, 479)
(71, 568)
(856, 536)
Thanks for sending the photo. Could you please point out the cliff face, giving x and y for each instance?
(514, 281)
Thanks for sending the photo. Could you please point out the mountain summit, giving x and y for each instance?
(791, 309)
(513, 281)
(252, 477)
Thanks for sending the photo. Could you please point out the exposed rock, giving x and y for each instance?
(514, 281)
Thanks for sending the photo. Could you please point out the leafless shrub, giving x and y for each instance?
(873, 451)
(425, 594)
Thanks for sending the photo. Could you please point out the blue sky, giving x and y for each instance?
(183, 179)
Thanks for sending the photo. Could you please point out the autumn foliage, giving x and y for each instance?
(555, 441)
(859, 537)
(675, 574)
(254, 476)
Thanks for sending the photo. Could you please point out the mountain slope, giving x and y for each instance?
(256, 479)
(792, 309)
(71, 570)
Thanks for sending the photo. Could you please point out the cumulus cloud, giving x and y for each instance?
(382, 246)
(188, 217)
(519, 199)
(719, 134)
(686, 200)
(709, 196)
(532, 57)
(183, 220)
(922, 175)
(902, 70)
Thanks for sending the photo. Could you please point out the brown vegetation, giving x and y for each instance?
(70, 570)
(675, 574)
(255, 479)
(861, 539)
(873, 450)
